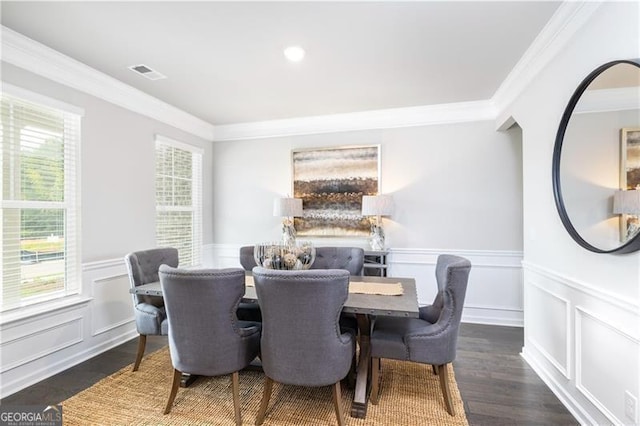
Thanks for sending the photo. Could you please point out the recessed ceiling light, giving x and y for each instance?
(294, 53)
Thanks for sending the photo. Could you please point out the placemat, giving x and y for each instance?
(361, 287)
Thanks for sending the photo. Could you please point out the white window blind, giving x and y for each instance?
(179, 199)
(40, 202)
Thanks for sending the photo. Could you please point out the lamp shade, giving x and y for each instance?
(377, 205)
(626, 202)
(287, 207)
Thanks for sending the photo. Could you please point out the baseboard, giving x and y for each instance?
(567, 400)
(493, 316)
(39, 375)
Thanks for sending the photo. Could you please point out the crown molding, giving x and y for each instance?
(33, 56)
(562, 26)
(364, 120)
(620, 99)
(28, 54)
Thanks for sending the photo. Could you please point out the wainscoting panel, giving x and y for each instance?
(65, 333)
(599, 334)
(548, 330)
(606, 364)
(54, 335)
(494, 295)
(113, 305)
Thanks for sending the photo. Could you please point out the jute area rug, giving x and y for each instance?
(410, 395)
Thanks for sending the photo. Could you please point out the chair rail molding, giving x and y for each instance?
(494, 293)
(632, 306)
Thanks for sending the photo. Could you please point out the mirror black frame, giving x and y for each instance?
(634, 243)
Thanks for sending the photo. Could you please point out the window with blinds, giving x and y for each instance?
(40, 199)
(179, 199)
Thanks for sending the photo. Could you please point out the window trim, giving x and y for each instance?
(197, 180)
(73, 290)
(43, 100)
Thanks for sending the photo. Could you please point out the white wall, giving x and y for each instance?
(118, 211)
(582, 310)
(455, 186)
(457, 189)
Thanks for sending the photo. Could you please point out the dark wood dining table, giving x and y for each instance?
(366, 307)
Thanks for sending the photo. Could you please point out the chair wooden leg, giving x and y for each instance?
(443, 372)
(266, 395)
(177, 376)
(337, 403)
(142, 342)
(235, 386)
(375, 380)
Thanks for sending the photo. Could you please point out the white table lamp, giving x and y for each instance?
(288, 208)
(377, 206)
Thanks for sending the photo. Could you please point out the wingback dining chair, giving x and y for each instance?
(248, 311)
(301, 339)
(151, 319)
(205, 336)
(247, 260)
(430, 339)
(349, 258)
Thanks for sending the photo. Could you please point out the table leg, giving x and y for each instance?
(361, 394)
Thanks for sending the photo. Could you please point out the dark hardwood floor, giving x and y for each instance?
(497, 386)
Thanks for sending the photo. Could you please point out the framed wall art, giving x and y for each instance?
(630, 158)
(629, 177)
(331, 183)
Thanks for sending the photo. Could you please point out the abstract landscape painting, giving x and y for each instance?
(631, 158)
(629, 176)
(331, 183)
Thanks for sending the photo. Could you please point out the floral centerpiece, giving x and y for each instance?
(295, 256)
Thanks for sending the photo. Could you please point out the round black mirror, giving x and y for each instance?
(596, 160)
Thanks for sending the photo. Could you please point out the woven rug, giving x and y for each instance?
(410, 395)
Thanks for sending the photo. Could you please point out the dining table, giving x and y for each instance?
(369, 297)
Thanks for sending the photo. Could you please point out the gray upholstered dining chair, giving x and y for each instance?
(301, 339)
(349, 258)
(247, 260)
(149, 311)
(248, 311)
(205, 337)
(430, 339)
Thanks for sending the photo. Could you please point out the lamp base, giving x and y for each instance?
(376, 239)
(288, 234)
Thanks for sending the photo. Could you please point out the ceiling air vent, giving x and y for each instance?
(147, 72)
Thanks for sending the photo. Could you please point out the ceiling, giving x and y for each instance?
(225, 65)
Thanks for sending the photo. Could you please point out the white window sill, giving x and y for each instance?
(27, 312)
